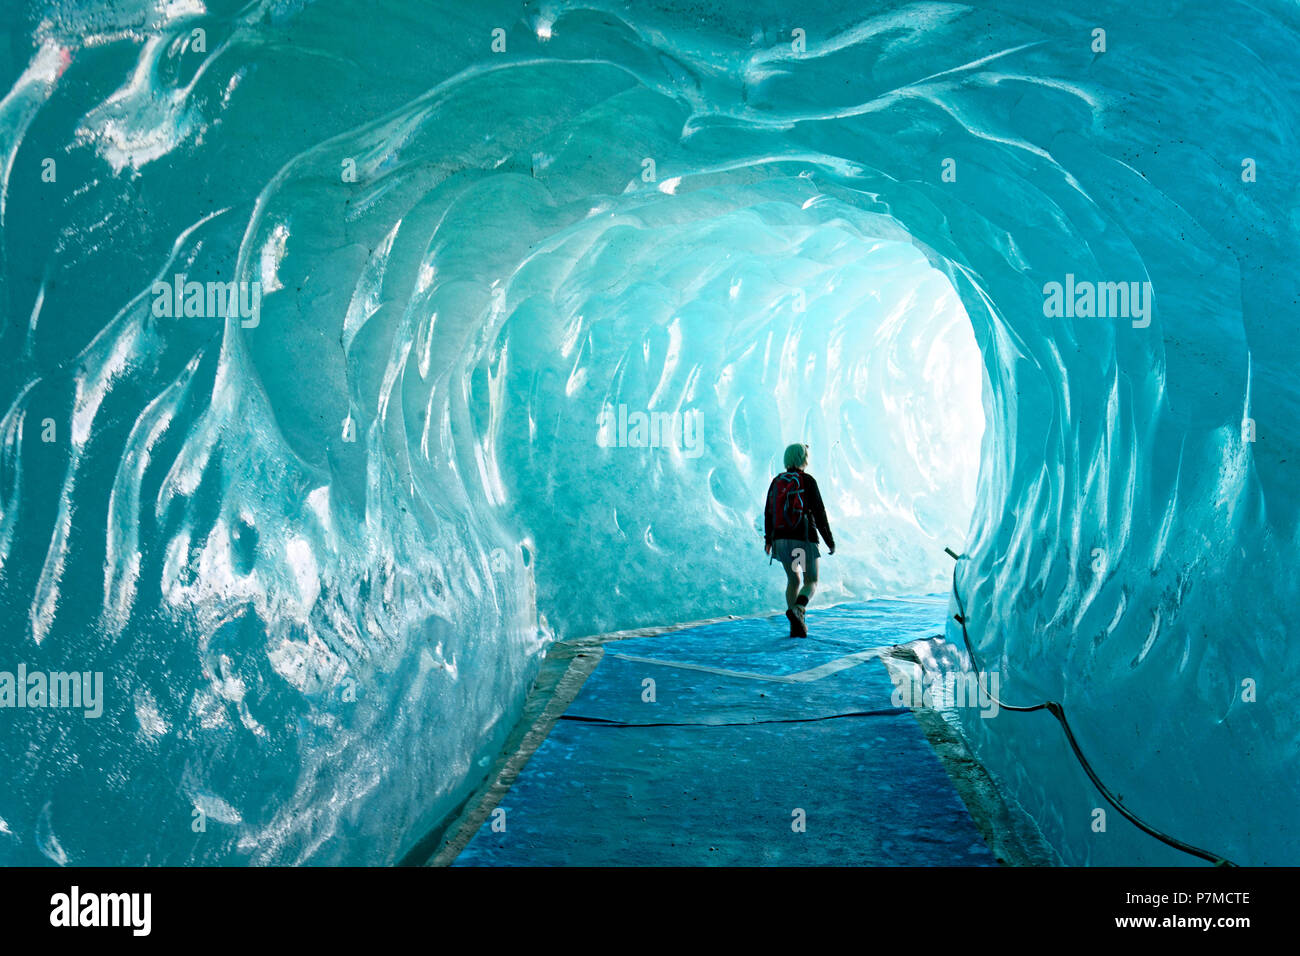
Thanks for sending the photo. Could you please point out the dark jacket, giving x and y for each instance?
(813, 507)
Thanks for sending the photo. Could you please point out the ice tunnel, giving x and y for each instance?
(353, 353)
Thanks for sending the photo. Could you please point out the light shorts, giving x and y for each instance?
(787, 551)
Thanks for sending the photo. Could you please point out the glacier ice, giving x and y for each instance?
(317, 546)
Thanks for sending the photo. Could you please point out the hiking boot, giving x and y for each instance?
(797, 628)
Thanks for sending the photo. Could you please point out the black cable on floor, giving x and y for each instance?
(605, 722)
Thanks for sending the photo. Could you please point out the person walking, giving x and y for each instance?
(793, 515)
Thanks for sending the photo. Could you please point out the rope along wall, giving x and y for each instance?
(1058, 711)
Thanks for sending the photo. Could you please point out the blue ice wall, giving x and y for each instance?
(316, 548)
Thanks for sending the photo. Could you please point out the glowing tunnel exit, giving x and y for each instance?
(726, 326)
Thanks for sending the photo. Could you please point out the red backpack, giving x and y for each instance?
(789, 512)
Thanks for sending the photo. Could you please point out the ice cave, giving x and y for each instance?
(355, 354)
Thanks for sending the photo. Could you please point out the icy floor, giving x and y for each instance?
(721, 745)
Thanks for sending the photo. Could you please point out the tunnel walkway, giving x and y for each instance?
(729, 743)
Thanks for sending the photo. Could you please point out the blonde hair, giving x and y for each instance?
(796, 456)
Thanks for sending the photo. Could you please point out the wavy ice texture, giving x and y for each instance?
(317, 557)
